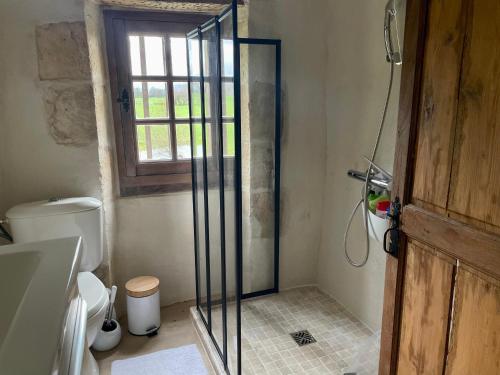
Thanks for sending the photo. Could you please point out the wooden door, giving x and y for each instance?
(442, 296)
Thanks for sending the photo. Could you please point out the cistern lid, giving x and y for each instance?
(53, 207)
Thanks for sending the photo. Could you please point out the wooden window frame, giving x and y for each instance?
(138, 178)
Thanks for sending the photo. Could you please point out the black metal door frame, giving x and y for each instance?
(277, 160)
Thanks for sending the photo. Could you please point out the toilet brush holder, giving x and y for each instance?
(108, 337)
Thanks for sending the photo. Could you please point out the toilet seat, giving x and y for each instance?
(93, 292)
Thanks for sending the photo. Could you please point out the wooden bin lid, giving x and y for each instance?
(142, 286)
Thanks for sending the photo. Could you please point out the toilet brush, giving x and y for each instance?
(108, 325)
(111, 332)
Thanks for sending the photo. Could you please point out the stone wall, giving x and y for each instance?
(64, 73)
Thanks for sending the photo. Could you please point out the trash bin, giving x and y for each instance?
(143, 305)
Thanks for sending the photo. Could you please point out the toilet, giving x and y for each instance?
(68, 217)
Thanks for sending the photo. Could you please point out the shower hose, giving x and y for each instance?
(364, 191)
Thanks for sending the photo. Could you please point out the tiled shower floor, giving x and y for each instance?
(343, 344)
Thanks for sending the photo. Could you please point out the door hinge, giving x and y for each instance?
(124, 100)
(391, 235)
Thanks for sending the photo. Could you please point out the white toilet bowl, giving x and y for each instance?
(96, 296)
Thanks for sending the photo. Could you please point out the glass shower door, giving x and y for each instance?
(212, 127)
(199, 154)
(235, 167)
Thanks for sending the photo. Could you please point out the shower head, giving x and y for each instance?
(393, 56)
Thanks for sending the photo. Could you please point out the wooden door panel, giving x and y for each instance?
(475, 336)
(426, 308)
(439, 101)
(475, 179)
(454, 238)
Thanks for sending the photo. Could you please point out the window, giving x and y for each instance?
(149, 80)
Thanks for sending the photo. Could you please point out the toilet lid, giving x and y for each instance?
(93, 292)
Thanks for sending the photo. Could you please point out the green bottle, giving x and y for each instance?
(375, 198)
(371, 199)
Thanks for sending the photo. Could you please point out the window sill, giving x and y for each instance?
(156, 184)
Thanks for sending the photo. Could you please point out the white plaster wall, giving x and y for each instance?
(357, 79)
(155, 237)
(301, 25)
(34, 166)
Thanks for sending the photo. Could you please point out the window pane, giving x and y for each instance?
(150, 100)
(138, 100)
(183, 141)
(153, 142)
(135, 55)
(179, 59)
(227, 99)
(155, 61)
(195, 100)
(227, 58)
(207, 99)
(198, 140)
(194, 57)
(228, 147)
(181, 100)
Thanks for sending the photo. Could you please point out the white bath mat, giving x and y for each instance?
(179, 361)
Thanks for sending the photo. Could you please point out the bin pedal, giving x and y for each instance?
(152, 331)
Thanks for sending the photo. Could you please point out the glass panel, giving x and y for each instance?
(212, 97)
(194, 57)
(154, 54)
(200, 217)
(183, 141)
(198, 177)
(227, 58)
(179, 60)
(227, 99)
(257, 128)
(213, 127)
(198, 142)
(195, 100)
(153, 142)
(208, 96)
(181, 100)
(228, 139)
(135, 55)
(150, 100)
(226, 28)
(206, 60)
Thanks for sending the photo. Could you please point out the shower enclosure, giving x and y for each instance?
(235, 123)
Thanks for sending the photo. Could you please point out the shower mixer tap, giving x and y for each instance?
(373, 180)
(377, 176)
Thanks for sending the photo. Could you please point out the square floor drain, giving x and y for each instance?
(303, 337)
